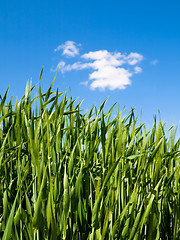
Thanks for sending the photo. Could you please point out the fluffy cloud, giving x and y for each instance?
(69, 48)
(104, 58)
(110, 77)
(109, 70)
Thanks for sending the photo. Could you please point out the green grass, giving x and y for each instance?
(66, 174)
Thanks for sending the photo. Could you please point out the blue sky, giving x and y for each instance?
(128, 51)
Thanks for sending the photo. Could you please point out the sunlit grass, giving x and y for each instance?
(66, 174)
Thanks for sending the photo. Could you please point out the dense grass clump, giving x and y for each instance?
(65, 174)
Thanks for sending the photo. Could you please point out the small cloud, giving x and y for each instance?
(69, 48)
(60, 66)
(154, 62)
(84, 83)
(134, 58)
(137, 69)
(75, 66)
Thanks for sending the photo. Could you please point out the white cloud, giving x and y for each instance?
(137, 69)
(75, 66)
(69, 48)
(109, 70)
(110, 77)
(84, 83)
(154, 62)
(60, 66)
(134, 58)
(104, 58)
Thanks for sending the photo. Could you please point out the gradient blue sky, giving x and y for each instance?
(30, 31)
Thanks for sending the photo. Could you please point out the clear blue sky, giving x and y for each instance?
(135, 42)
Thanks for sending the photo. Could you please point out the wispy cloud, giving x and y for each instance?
(109, 70)
(137, 69)
(134, 58)
(69, 48)
(154, 62)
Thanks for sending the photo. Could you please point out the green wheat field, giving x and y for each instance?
(66, 174)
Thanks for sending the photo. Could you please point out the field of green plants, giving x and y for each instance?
(66, 174)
